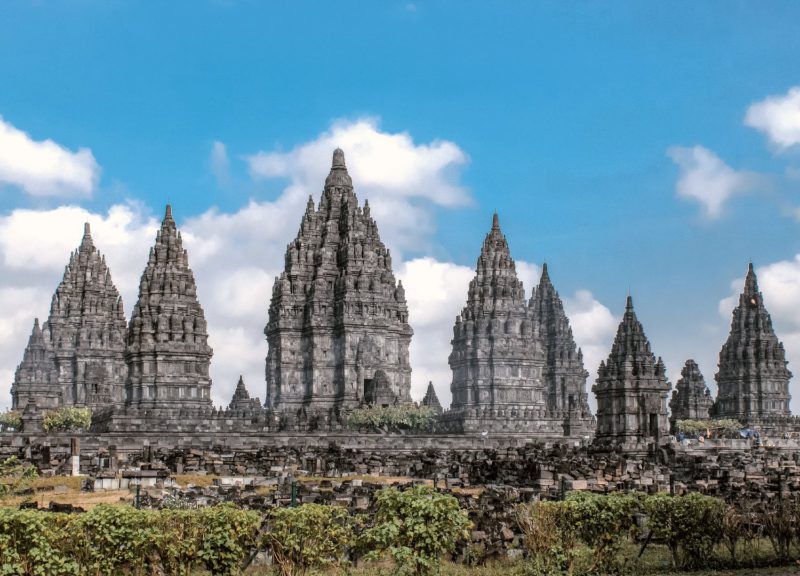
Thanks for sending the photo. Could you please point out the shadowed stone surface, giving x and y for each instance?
(631, 390)
(338, 329)
(753, 378)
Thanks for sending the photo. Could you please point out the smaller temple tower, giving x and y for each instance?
(168, 353)
(36, 378)
(691, 399)
(431, 400)
(241, 399)
(753, 378)
(631, 390)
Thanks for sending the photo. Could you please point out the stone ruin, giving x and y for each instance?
(338, 335)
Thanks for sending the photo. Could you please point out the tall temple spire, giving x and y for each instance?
(338, 318)
(85, 332)
(167, 343)
(36, 377)
(753, 378)
(631, 389)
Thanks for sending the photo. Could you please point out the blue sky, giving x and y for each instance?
(569, 118)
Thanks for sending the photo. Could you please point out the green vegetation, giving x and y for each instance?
(11, 420)
(391, 418)
(723, 428)
(66, 419)
(15, 476)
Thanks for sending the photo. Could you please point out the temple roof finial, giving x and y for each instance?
(545, 275)
(87, 231)
(629, 303)
(495, 222)
(751, 281)
(338, 159)
(168, 214)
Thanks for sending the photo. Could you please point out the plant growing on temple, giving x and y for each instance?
(66, 419)
(689, 525)
(550, 537)
(11, 420)
(309, 537)
(15, 475)
(725, 427)
(415, 527)
(391, 418)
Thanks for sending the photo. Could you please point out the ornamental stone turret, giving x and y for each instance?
(241, 399)
(497, 359)
(753, 378)
(338, 329)
(36, 379)
(691, 399)
(85, 333)
(631, 390)
(431, 400)
(564, 376)
(167, 350)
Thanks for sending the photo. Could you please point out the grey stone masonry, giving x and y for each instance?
(84, 337)
(431, 400)
(167, 348)
(36, 378)
(631, 390)
(338, 331)
(564, 373)
(753, 378)
(497, 359)
(691, 399)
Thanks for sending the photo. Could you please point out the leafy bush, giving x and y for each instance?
(117, 537)
(11, 420)
(15, 475)
(392, 418)
(601, 522)
(66, 419)
(228, 534)
(31, 543)
(689, 525)
(309, 536)
(550, 536)
(416, 527)
(724, 427)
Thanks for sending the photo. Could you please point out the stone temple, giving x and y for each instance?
(516, 368)
(753, 379)
(338, 338)
(77, 357)
(338, 329)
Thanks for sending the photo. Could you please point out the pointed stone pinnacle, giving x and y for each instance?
(545, 275)
(495, 222)
(629, 303)
(168, 214)
(87, 231)
(338, 159)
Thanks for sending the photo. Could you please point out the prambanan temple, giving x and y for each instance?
(338, 336)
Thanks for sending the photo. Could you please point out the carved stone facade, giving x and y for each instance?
(691, 399)
(515, 364)
(167, 345)
(338, 329)
(631, 390)
(77, 358)
(753, 378)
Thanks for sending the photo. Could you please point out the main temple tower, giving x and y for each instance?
(338, 331)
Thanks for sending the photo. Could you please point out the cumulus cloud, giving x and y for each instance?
(778, 117)
(594, 327)
(45, 168)
(706, 179)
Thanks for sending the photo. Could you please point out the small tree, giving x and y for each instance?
(550, 536)
(10, 420)
(416, 527)
(311, 536)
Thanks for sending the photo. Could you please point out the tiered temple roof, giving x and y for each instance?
(691, 399)
(431, 400)
(167, 348)
(241, 398)
(631, 389)
(753, 378)
(337, 315)
(84, 336)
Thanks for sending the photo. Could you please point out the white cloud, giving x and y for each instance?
(594, 327)
(778, 117)
(706, 179)
(44, 168)
(220, 164)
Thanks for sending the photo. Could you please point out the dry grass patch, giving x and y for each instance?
(201, 480)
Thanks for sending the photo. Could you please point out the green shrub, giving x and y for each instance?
(228, 535)
(416, 527)
(550, 536)
(11, 420)
(309, 536)
(689, 525)
(392, 418)
(66, 419)
(114, 538)
(29, 543)
(15, 475)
